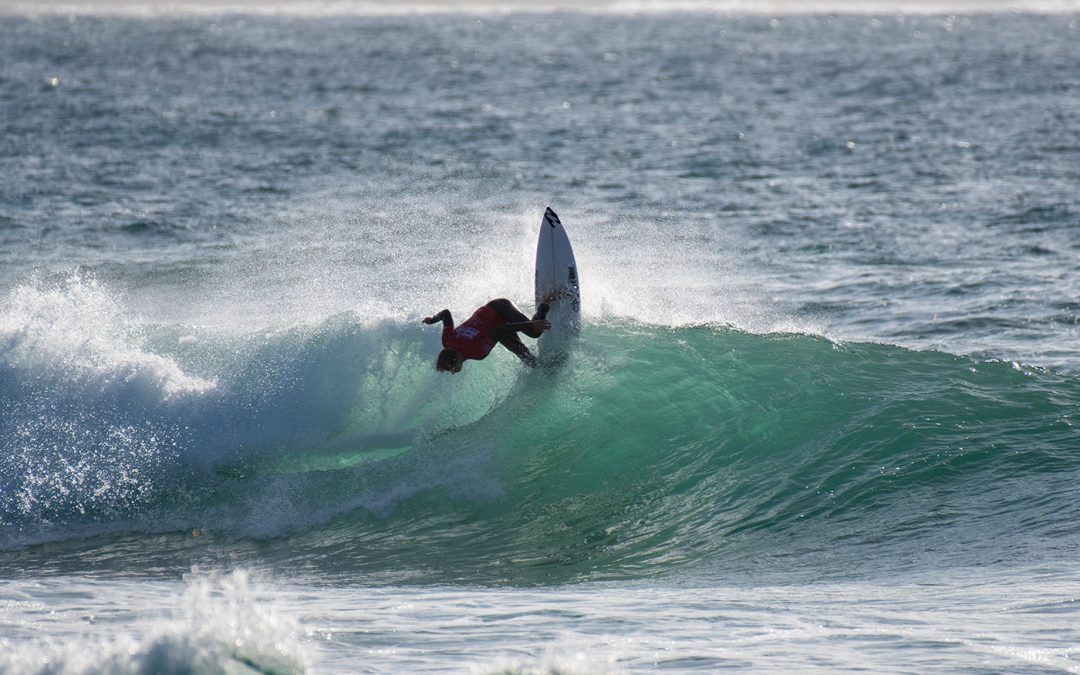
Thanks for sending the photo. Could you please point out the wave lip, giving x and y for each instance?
(78, 330)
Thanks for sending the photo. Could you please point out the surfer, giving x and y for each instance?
(499, 321)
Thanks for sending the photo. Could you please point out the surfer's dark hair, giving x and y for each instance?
(448, 359)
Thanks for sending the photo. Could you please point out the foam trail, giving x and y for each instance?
(218, 624)
(107, 420)
(86, 427)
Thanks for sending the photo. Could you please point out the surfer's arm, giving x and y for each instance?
(444, 316)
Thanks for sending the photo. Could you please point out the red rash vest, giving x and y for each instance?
(473, 338)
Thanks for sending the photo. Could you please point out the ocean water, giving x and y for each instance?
(823, 412)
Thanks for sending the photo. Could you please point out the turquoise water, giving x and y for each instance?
(822, 412)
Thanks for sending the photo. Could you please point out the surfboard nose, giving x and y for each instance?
(550, 218)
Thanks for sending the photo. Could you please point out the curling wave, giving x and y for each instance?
(651, 449)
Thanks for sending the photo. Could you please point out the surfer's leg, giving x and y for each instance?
(507, 310)
(511, 314)
(514, 344)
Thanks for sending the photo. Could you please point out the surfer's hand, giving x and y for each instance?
(541, 325)
(436, 318)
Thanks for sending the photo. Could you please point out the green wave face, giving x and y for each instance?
(649, 451)
(655, 450)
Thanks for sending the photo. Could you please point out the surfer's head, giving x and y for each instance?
(449, 361)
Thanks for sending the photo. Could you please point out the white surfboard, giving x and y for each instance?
(558, 283)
